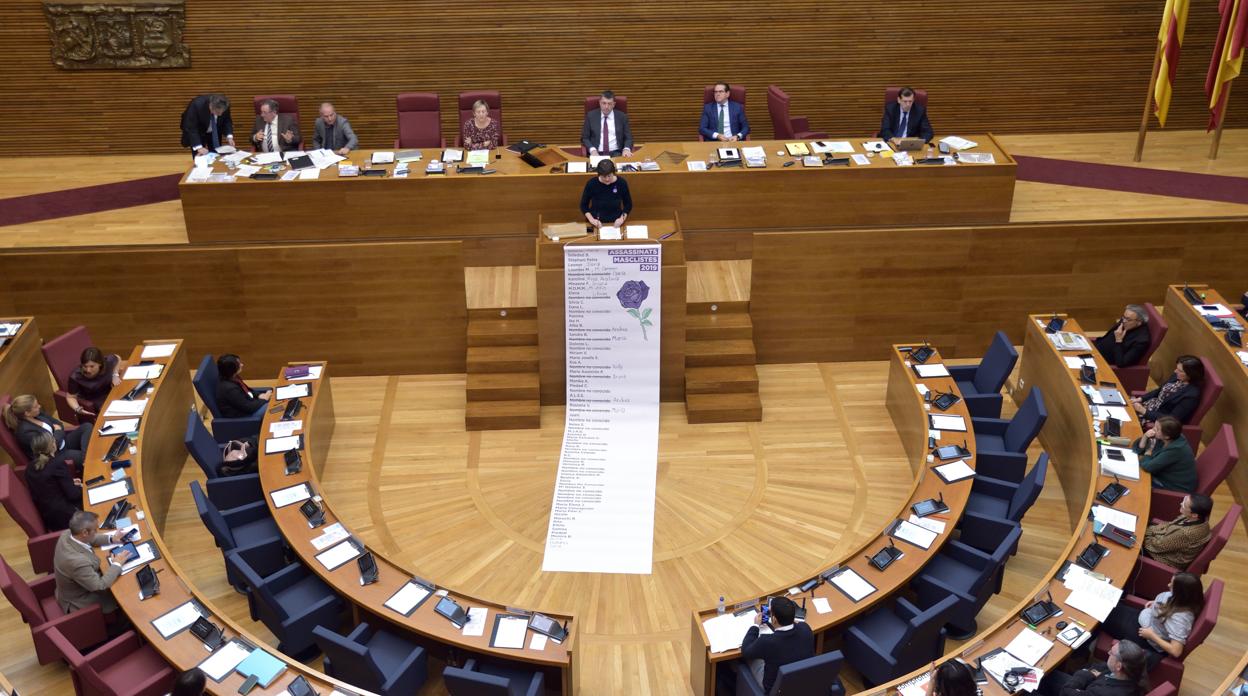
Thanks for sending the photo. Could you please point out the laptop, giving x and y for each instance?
(910, 144)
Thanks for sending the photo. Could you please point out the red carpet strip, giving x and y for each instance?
(88, 199)
(1113, 177)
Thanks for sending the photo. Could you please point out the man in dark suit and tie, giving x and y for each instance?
(905, 119)
(79, 580)
(724, 119)
(274, 132)
(606, 131)
(206, 123)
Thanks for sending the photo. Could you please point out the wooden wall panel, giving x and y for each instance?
(850, 294)
(1066, 65)
(370, 308)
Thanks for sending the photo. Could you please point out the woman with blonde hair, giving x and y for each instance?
(25, 418)
(55, 490)
(481, 132)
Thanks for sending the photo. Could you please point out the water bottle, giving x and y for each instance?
(720, 608)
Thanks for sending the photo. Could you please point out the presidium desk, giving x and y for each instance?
(508, 202)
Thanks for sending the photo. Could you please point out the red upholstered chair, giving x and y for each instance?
(1213, 465)
(1209, 393)
(40, 541)
(890, 96)
(1220, 535)
(492, 99)
(787, 127)
(1135, 377)
(420, 120)
(9, 443)
(36, 602)
(62, 354)
(286, 104)
(736, 93)
(124, 666)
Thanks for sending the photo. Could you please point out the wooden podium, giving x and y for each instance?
(551, 324)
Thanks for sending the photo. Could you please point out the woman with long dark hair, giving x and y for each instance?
(1162, 627)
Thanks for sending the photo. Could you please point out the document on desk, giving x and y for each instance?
(1066, 340)
(292, 391)
(976, 158)
(277, 445)
(902, 159)
(147, 554)
(262, 158)
(836, 147)
(199, 175)
(607, 232)
(957, 143)
(931, 371)
(1096, 598)
(158, 350)
(451, 155)
(929, 523)
(696, 165)
(324, 158)
(852, 584)
(1214, 310)
(1079, 363)
(914, 534)
(291, 154)
(1127, 468)
(221, 663)
(1118, 518)
(122, 408)
(822, 605)
(292, 175)
(245, 171)
(337, 555)
(509, 631)
(176, 620)
(860, 159)
(955, 471)
(109, 491)
(595, 159)
(383, 157)
(726, 631)
(578, 167)
(307, 174)
(408, 598)
(1029, 646)
(333, 534)
(314, 373)
(475, 626)
(290, 495)
(943, 422)
(236, 158)
(137, 372)
(1103, 412)
(637, 231)
(121, 425)
(284, 429)
(875, 146)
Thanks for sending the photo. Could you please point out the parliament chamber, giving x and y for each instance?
(870, 393)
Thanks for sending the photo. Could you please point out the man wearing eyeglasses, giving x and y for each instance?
(724, 119)
(1126, 341)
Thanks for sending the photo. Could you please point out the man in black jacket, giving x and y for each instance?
(206, 123)
(1127, 341)
(784, 642)
(1121, 675)
(905, 119)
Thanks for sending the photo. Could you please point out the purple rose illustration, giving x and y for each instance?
(631, 295)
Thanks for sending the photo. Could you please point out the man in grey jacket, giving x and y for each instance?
(334, 132)
(79, 580)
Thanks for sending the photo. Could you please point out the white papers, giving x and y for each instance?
(198, 175)
(1002, 662)
(902, 159)
(509, 632)
(754, 152)
(236, 157)
(476, 621)
(262, 158)
(142, 372)
(1118, 518)
(860, 159)
(121, 407)
(852, 584)
(1077, 574)
(928, 523)
(955, 471)
(637, 231)
(943, 422)
(1214, 310)
(595, 159)
(1078, 363)
(305, 174)
(479, 158)
(383, 157)
(1103, 412)
(451, 155)
(292, 391)
(274, 445)
(284, 429)
(205, 161)
(725, 631)
(107, 492)
(578, 168)
(245, 170)
(1029, 646)
(1243, 356)
(976, 158)
(224, 660)
(607, 232)
(1128, 469)
(333, 534)
(1066, 340)
(158, 350)
(173, 621)
(1094, 597)
(314, 373)
(912, 533)
(811, 161)
(875, 146)
(537, 642)
(323, 158)
(289, 496)
(922, 388)
(121, 425)
(696, 165)
(226, 149)
(337, 555)
(822, 605)
(957, 143)
(408, 596)
(833, 146)
(147, 554)
(930, 371)
(292, 175)
(291, 154)
(915, 687)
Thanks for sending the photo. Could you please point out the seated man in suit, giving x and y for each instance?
(1127, 341)
(79, 580)
(1177, 543)
(724, 119)
(905, 119)
(784, 642)
(206, 124)
(334, 132)
(606, 131)
(274, 132)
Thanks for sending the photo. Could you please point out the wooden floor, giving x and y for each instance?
(741, 509)
(162, 223)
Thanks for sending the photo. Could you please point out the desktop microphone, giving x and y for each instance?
(941, 495)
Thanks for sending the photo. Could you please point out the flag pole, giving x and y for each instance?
(1148, 103)
(1217, 135)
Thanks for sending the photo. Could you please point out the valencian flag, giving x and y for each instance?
(1228, 56)
(1173, 23)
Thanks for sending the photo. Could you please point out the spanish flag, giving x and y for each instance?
(1228, 56)
(1173, 23)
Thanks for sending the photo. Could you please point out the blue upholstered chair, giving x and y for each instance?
(968, 568)
(479, 678)
(1006, 500)
(814, 676)
(223, 429)
(1001, 445)
(981, 384)
(289, 599)
(894, 640)
(207, 452)
(374, 660)
(235, 512)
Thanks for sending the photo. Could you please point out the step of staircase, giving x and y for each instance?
(502, 332)
(720, 325)
(503, 415)
(502, 359)
(726, 379)
(737, 351)
(502, 386)
(723, 408)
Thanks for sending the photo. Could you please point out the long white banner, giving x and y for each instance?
(602, 516)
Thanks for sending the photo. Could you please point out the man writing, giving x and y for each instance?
(605, 131)
(724, 119)
(333, 132)
(1125, 344)
(274, 132)
(206, 124)
(79, 580)
(905, 119)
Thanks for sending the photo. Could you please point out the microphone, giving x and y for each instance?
(941, 495)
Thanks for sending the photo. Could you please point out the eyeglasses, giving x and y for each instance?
(720, 91)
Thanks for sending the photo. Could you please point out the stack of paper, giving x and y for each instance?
(266, 158)
(333, 534)
(696, 165)
(142, 372)
(609, 233)
(914, 534)
(875, 146)
(902, 159)
(475, 625)
(1029, 646)
(1118, 518)
(1128, 468)
(646, 166)
(245, 171)
(291, 154)
(931, 371)
(957, 143)
(310, 174)
(123, 408)
(236, 157)
(198, 175)
(225, 659)
(637, 231)
(726, 631)
(754, 156)
(578, 168)
(811, 161)
(323, 158)
(955, 471)
(1092, 596)
(1065, 340)
(943, 422)
(478, 158)
(976, 158)
(383, 158)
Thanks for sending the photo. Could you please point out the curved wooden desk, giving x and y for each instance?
(317, 417)
(505, 203)
(910, 415)
(22, 367)
(1189, 333)
(160, 445)
(1069, 439)
(1237, 679)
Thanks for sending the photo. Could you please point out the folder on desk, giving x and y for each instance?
(797, 149)
(263, 666)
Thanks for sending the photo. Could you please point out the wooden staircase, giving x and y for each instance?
(721, 382)
(502, 387)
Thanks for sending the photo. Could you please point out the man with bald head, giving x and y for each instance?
(333, 132)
